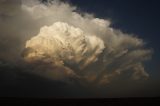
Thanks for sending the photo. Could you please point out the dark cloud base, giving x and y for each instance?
(15, 82)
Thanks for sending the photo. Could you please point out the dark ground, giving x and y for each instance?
(75, 102)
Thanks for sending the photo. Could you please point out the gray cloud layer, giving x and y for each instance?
(20, 21)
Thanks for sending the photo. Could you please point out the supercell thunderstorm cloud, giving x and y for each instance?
(78, 45)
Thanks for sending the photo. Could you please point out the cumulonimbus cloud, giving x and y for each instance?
(79, 44)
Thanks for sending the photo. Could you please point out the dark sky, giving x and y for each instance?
(139, 17)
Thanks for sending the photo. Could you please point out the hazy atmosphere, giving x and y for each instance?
(71, 48)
